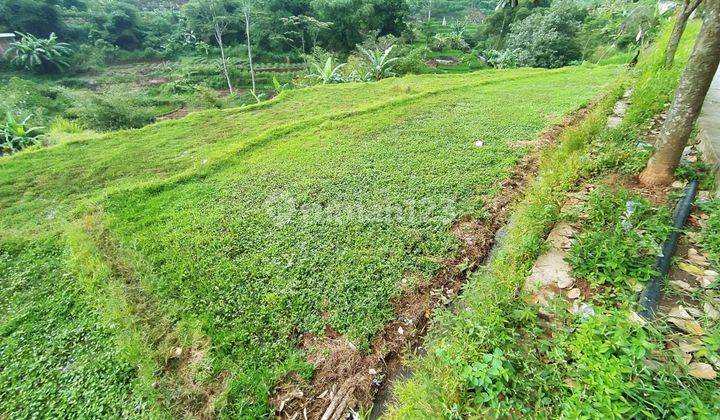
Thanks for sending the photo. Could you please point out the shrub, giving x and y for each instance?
(15, 135)
(622, 237)
(449, 42)
(25, 97)
(380, 63)
(38, 54)
(410, 60)
(546, 39)
(63, 125)
(115, 111)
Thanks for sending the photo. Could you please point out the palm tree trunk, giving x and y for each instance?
(680, 23)
(688, 101)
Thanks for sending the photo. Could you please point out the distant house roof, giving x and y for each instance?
(7, 35)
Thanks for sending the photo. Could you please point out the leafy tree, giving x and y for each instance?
(213, 18)
(683, 15)
(353, 18)
(36, 17)
(38, 54)
(547, 39)
(118, 23)
(302, 30)
(688, 101)
(496, 28)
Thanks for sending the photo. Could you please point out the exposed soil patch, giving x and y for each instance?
(346, 378)
(443, 61)
(175, 115)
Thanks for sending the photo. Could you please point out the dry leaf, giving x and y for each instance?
(692, 269)
(702, 371)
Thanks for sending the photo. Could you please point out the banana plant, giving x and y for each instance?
(380, 63)
(327, 73)
(15, 136)
(33, 53)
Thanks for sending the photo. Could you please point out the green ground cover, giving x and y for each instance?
(495, 355)
(243, 228)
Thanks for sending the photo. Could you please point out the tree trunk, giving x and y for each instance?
(683, 15)
(218, 38)
(249, 48)
(689, 98)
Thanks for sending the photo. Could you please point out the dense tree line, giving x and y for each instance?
(503, 33)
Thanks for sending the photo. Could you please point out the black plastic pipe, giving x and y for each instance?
(651, 294)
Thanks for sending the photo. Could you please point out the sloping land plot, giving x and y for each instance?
(206, 248)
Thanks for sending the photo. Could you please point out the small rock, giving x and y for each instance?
(574, 293)
(586, 311)
(681, 285)
(561, 235)
(678, 184)
(711, 312)
(372, 372)
(695, 312)
(689, 326)
(706, 281)
(702, 371)
(565, 282)
(686, 347)
(479, 143)
(680, 312)
(637, 319)
(651, 364)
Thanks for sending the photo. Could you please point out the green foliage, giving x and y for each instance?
(16, 135)
(620, 240)
(38, 54)
(380, 63)
(358, 184)
(710, 238)
(43, 100)
(548, 38)
(351, 19)
(326, 72)
(58, 359)
(37, 17)
(65, 126)
(115, 111)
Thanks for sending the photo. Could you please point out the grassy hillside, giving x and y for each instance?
(173, 269)
(499, 355)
